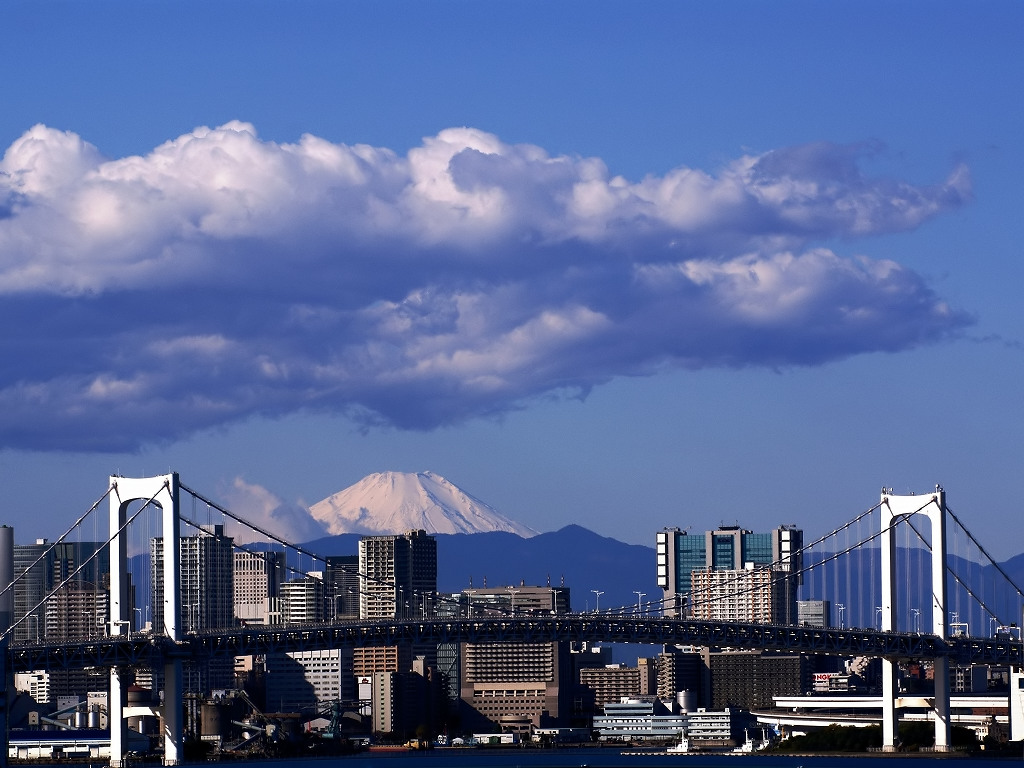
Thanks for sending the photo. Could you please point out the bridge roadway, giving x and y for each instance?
(143, 648)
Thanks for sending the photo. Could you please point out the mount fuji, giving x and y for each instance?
(396, 502)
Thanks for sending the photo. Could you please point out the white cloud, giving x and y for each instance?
(254, 503)
(221, 276)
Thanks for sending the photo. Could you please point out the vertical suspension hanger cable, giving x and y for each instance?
(846, 564)
(908, 571)
(874, 589)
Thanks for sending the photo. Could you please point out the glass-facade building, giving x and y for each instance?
(728, 548)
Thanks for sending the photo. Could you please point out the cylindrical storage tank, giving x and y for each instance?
(94, 716)
(137, 696)
(6, 577)
(687, 701)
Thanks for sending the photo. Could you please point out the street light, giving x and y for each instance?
(841, 608)
(139, 611)
(513, 593)
(917, 619)
(878, 613)
(639, 596)
(597, 602)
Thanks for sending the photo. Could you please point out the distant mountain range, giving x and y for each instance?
(573, 556)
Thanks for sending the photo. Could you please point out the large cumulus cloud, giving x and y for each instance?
(221, 276)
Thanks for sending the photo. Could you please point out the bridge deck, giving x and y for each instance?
(142, 648)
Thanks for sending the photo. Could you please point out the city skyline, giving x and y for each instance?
(627, 268)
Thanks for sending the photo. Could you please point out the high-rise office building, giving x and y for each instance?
(729, 548)
(397, 576)
(257, 581)
(72, 581)
(84, 569)
(302, 600)
(341, 587)
(206, 601)
(207, 580)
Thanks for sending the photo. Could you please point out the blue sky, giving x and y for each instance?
(622, 265)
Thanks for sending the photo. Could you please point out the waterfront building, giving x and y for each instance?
(732, 548)
(638, 718)
(516, 686)
(406, 703)
(607, 684)
(305, 679)
(750, 679)
(647, 718)
(680, 671)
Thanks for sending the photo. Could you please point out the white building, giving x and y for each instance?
(302, 600)
(646, 718)
(756, 594)
(307, 678)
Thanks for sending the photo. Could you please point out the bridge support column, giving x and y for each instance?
(893, 509)
(890, 715)
(174, 710)
(1016, 703)
(115, 716)
(162, 491)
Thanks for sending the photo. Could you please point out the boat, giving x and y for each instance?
(681, 747)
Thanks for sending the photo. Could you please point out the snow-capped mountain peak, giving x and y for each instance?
(397, 502)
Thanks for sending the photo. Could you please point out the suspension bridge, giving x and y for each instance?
(870, 568)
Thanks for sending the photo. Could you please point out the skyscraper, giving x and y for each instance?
(341, 586)
(257, 583)
(397, 575)
(207, 580)
(40, 568)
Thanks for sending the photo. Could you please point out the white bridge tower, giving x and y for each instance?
(894, 509)
(162, 491)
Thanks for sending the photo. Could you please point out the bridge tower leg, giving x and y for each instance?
(1016, 703)
(162, 491)
(893, 509)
